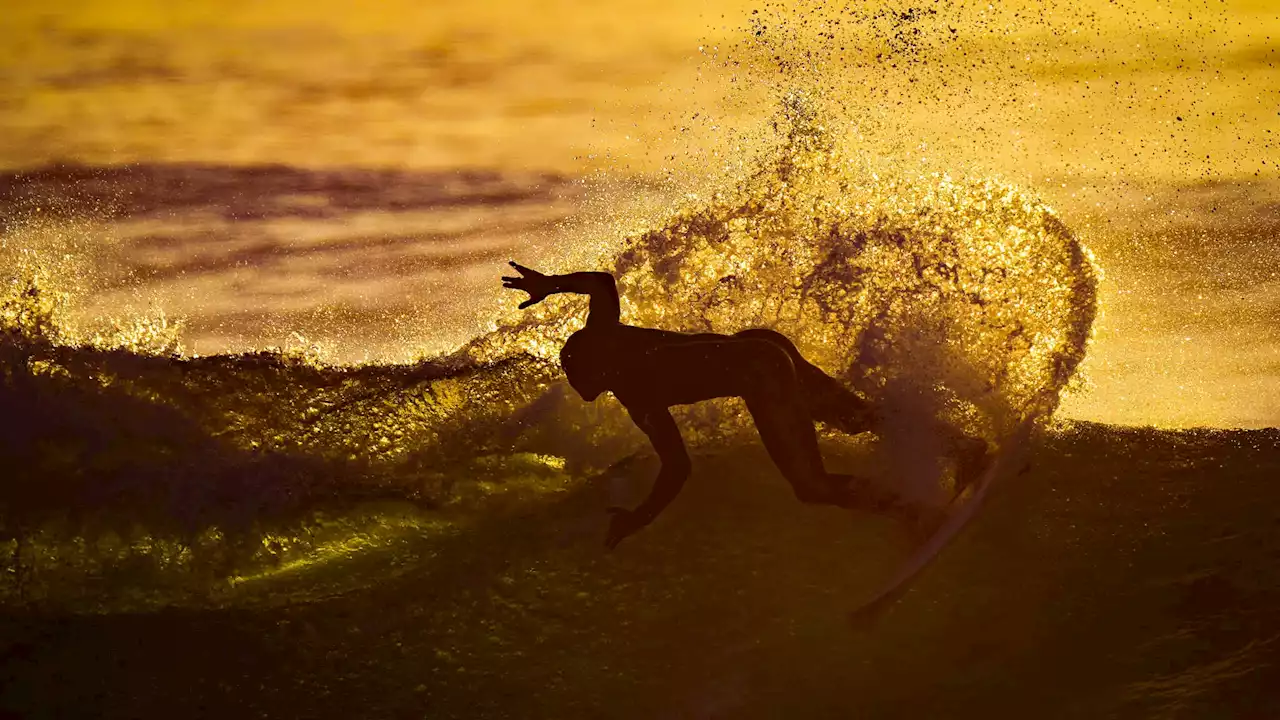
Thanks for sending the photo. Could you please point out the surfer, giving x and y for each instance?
(650, 370)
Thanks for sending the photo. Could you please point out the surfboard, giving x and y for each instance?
(957, 515)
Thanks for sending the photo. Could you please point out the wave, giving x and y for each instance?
(942, 300)
(972, 292)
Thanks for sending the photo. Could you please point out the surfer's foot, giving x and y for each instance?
(920, 520)
(852, 492)
(973, 461)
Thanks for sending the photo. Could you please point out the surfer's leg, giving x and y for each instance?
(972, 456)
(798, 460)
(773, 398)
(834, 404)
(782, 418)
(826, 398)
(792, 443)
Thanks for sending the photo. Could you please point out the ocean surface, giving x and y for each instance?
(1151, 127)
(277, 442)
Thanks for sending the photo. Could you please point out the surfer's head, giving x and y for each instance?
(586, 364)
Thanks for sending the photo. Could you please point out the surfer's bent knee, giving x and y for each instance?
(769, 360)
(773, 337)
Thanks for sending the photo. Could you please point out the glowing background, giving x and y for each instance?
(1152, 127)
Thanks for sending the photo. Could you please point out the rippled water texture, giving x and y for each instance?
(264, 400)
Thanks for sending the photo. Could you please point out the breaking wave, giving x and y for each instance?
(948, 300)
(971, 292)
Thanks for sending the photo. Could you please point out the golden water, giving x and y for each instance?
(1149, 127)
(958, 208)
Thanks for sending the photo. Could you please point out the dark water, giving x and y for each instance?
(263, 534)
(1131, 574)
(938, 300)
(269, 533)
(194, 526)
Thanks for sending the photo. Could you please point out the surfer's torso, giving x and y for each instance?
(647, 367)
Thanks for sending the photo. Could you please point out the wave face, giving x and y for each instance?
(942, 300)
(136, 476)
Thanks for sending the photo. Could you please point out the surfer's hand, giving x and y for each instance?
(623, 523)
(531, 281)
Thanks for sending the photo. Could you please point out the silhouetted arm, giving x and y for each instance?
(661, 428)
(599, 286)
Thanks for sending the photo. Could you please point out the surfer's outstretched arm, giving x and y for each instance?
(661, 428)
(600, 286)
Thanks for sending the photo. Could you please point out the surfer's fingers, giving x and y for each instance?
(511, 279)
(523, 270)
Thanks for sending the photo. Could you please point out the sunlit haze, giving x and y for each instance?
(1151, 128)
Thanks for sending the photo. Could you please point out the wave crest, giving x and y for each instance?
(971, 291)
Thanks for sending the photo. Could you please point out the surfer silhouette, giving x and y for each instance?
(649, 370)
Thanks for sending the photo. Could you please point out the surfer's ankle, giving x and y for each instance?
(971, 464)
(919, 519)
